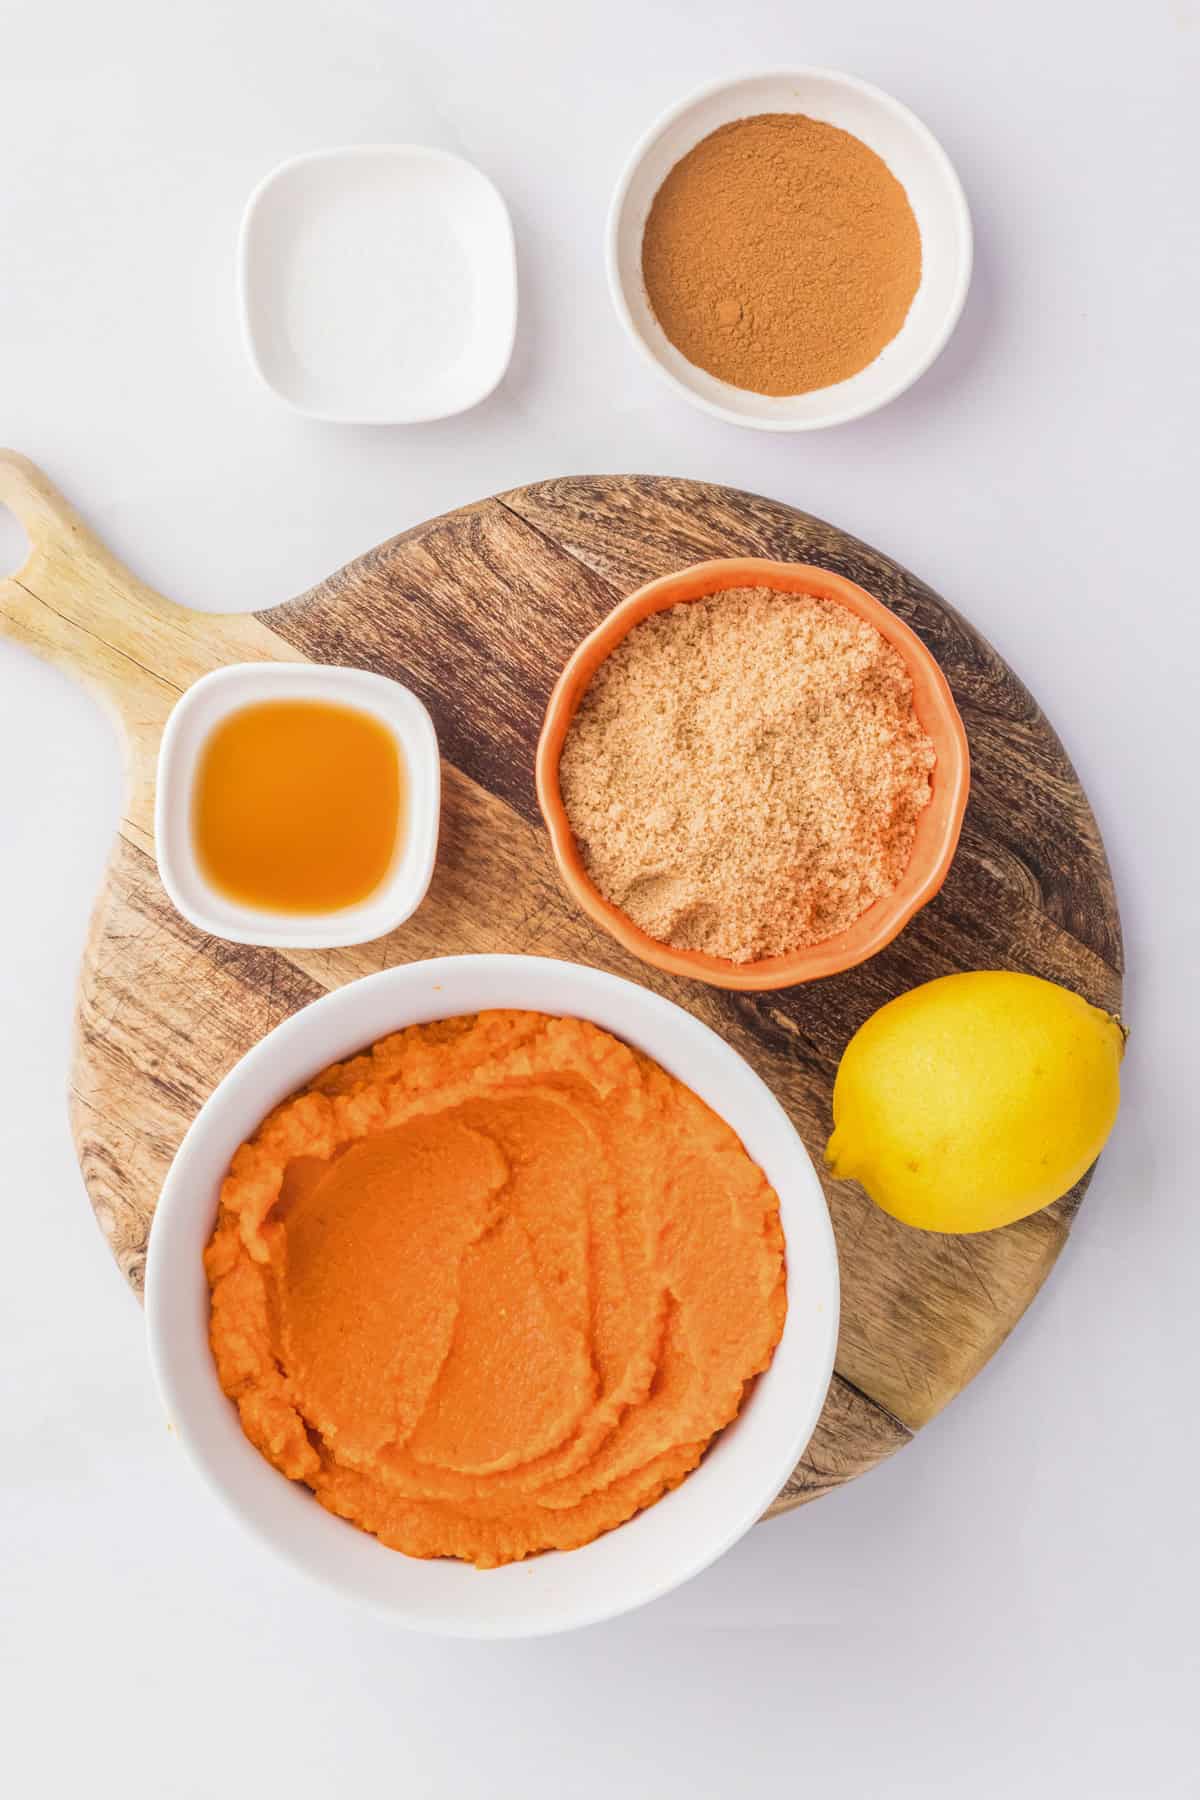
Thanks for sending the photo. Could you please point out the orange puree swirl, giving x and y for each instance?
(492, 1287)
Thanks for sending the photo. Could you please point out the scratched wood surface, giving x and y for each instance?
(476, 612)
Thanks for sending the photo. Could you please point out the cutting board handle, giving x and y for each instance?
(75, 604)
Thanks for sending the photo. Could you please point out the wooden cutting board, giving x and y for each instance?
(477, 611)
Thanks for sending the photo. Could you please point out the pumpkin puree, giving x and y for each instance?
(491, 1287)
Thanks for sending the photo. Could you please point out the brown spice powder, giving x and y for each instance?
(745, 772)
(781, 254)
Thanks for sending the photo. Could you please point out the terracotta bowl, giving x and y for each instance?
(937, 829)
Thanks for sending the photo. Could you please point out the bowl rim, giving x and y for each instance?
(268, 1505)
(939, 157)
(936, 709)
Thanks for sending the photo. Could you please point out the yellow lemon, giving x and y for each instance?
(975, 1099)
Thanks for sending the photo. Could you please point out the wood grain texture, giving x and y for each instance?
(476, 612)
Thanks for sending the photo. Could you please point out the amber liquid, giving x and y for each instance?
(299, 805)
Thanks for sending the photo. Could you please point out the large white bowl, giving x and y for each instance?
(915, 158)
(662, 1546)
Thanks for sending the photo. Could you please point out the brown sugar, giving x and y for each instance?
(745, 772)
(781, 254)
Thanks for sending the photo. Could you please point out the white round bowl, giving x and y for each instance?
(914, 157)
(653, 1552)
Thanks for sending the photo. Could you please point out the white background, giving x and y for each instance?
(1007, 1608)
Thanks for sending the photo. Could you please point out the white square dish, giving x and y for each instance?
(213, 698)
(378, 284)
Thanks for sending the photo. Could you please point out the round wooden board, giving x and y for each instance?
(476, 612)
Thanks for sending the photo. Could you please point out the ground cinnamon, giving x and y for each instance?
(781, 254)
(745, 772)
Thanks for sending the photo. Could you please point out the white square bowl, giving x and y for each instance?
(188, 729)
(378, 284)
